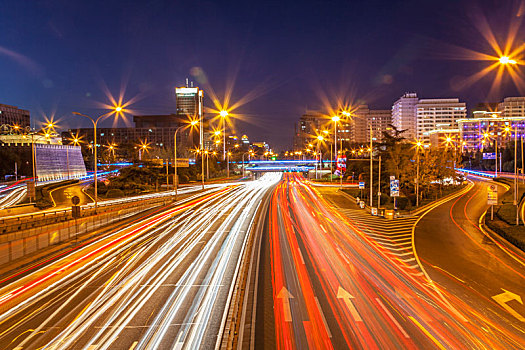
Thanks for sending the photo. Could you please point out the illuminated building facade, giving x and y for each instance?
(486, 127)
(11, 115)
(379, 121)
(404, 115)
(432, 114)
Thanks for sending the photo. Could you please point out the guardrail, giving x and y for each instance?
(44, 218)
(26, 238)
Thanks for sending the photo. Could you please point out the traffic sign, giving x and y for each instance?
(361, 185)
(394, 188)
(489, 155)
(75, 200)
(75, 211)
(492, 195)
(31, 190)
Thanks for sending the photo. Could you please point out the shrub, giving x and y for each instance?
(402, 203)
(115, 193)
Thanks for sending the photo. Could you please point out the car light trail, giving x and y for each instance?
(373, 299)
(178, 264)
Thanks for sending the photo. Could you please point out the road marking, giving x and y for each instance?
(285, 295)
(343, 294)
(504, 298)
(324, 319)
(389, 314)
(427, 333)
(133, 345)
(300, 255)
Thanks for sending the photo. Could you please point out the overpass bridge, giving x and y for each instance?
(302, 166)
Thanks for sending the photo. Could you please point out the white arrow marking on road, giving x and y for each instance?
(504, 298)
(285, 295)
(343, 294)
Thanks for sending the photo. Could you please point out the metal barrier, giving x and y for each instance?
(28, 240)
(46, 218)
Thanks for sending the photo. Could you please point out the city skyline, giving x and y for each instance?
(276, 81)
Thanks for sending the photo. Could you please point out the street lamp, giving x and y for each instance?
(176, 180)
(116, 109)
(419, 145)
(251, 154)
(506, 60)
(335, 119)
(320, 139)
(223, 115)
(228, 154)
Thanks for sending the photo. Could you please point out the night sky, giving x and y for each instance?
(286, 56)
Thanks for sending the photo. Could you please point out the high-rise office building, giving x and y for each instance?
(380, 121)
(404, 115)
(360, 124)
(512, 107)
(432, 114)
(190, 106)
(11, 115)
(306, 129)
(189, 101)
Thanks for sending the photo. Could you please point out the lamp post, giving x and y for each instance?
(228, 154)
(117, 109)
(516, 199)
(223, 115)
(335, 119)
(206, 152)
(176, 177)
(419, 144)
(250, 153)
(320, 138)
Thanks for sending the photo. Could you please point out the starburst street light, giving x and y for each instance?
(223, 113)
(116, 110)
(505, 56)
(506, 60)
(418, 145)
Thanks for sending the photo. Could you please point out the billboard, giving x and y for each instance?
(340, 169)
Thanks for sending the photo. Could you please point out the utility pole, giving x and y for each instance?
(167, 175)
(516, 199)
(379, 185)
(371, 168)
(496, 157)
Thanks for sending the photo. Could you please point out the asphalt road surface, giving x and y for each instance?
(333, 287)
(469, 267)
(161, 282)
(61, 196)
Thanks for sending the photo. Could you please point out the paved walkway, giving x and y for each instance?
(393, 235)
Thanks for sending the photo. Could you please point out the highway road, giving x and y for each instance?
(61, 196)
(12, 195)
(467, 264)
(161, 282)
(325, 284)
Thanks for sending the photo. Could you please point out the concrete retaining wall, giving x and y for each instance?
(18, 244)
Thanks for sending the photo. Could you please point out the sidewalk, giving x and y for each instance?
(504, 223)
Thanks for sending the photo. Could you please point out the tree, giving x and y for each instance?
(396, 155)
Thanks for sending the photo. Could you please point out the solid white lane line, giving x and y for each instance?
(324, 319)
(392, 318)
